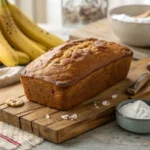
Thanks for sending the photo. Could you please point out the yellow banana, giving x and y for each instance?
(14, 36)
(7, 54)
(41, 46)
(31, 29)
(23, 58)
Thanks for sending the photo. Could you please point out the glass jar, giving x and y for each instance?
(79, 12)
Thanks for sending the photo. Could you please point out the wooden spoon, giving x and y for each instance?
(135, 87)
(143, 15)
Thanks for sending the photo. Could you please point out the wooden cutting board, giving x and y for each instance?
(102, 30)
(32, 117)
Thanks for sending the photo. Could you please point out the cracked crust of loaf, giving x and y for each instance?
(67, 64)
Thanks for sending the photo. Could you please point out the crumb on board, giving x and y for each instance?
(105, 103)
(114, 96)
(69, 117)
(65, 117)
(47, 116)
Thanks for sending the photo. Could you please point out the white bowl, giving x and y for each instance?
(135, 34)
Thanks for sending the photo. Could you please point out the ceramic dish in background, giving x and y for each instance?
(131, 124)
(135, 34)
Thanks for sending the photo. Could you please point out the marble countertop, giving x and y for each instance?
(106, 137)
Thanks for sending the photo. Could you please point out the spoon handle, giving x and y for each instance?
(135, 87)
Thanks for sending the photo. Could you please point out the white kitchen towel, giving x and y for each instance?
(13, 138)
(9, 75)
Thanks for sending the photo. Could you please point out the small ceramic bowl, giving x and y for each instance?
(135, 34)
(131, 124)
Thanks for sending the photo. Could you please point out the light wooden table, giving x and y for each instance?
(102, 30)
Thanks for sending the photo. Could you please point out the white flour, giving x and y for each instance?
(137, 109)
(129, 19)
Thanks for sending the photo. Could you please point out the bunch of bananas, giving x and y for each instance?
(21, 40)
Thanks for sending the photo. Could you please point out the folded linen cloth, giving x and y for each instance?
(13, 138)
(9, 75)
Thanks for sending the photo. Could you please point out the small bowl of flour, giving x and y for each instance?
(134, 115)
(130, 30)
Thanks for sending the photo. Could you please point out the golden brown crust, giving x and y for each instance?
(67, 64)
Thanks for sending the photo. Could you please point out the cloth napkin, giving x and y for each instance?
(13, 138)
(9, 75)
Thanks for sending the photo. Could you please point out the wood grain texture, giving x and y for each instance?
(32, 117)
(102, 30)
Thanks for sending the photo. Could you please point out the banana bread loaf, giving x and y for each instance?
(74, 72)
